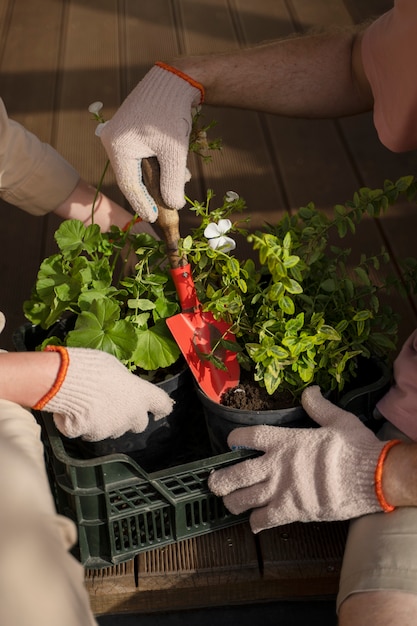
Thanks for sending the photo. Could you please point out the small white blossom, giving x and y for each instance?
(99, 128)
(231, 196)
(216, 234)
(95, 107)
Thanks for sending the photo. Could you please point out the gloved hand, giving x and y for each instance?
(318, 474)
(95, 396)
(154, 120)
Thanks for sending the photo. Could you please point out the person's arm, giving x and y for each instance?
(107, 213)
(37, 179)
(311, 76)
(90, 393)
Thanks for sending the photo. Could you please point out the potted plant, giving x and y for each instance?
(111, 291)
(299, 313)
(82, 298)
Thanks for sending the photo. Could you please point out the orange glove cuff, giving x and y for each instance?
(386, 507)
(62, 372)
(189, 80)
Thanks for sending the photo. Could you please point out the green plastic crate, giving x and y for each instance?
(120, 510)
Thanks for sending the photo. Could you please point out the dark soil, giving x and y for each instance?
(249, 396)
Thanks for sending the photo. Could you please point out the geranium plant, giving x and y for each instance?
(122, 315)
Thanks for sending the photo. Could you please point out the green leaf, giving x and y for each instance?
(272, 378)
(292, 286)
(100, 328)
(361, 316)
(330, 333)
(329, 285)
(143, 304)
(276, 291)
(291, 261)
(73, 238)
(363, 276)
(155, 347)
(287, 305)
(256, 352)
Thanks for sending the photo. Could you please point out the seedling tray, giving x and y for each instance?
(120, 510)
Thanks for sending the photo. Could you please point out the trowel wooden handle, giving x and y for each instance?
(168, 218)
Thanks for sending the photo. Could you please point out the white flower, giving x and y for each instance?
(231, 196)
(215, 233)
(99, 128)
(95, 107)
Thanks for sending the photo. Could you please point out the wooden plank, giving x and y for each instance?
(305, 553)
(90, 72)
(149, 36)
(6, 10)
(309, 153)
(115, 580)
(320, 13)
(361, 11)
(224, 557)
(374, 164)
(108, 588)
(29, 64)
(222, 568)
(262, 21)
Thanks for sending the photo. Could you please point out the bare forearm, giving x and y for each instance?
(107, 213)
(314, 76)
(25, 377)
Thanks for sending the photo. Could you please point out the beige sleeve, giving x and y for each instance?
(33, 176)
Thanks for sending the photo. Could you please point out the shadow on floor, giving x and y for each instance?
(320, 613)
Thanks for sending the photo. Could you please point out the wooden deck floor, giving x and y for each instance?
(58, 56)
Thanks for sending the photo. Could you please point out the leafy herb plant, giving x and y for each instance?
(300, 313)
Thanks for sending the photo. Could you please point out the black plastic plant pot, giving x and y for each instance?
(160, 443)
(371, 383)
(221, 420)
(155, 447)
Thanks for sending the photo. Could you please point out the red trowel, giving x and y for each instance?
(196, 331)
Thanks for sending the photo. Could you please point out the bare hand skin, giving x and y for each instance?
(107, 213)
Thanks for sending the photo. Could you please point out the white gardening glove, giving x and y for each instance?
(96, 397)
(317, 474)
(154, 120)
